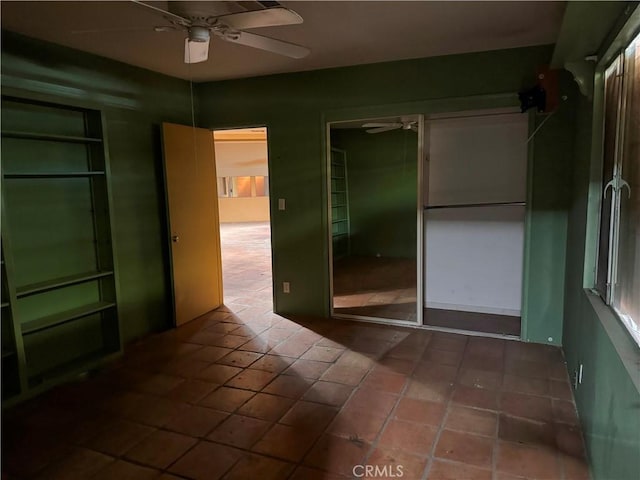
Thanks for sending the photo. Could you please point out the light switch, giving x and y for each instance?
(281, 204)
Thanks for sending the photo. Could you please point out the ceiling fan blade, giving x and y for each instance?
(171, 16)
(269, 44)
(269, 17)
(195, 52)
(414, 127)
(382, 124)
(381, 129)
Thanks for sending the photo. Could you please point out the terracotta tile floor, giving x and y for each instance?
(242, 393)
(375, 287)
(386, 288)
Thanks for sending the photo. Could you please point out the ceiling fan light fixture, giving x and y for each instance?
(195, 51)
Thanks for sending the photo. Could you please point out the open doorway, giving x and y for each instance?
(245, 229)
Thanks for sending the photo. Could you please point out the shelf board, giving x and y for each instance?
(51, 137)
(338, 205)
(338, 221)
(53, 174)
(54, 320)
(4, 304)
(80, 364)
(61, 282)
(6, 353)
(339, 235)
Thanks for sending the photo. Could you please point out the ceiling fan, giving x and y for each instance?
(231, 28)
(379, 127)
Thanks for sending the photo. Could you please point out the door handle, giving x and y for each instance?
(175, 238)
(623, 184)
(610, 184)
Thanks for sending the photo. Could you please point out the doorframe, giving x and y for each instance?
(271, 204)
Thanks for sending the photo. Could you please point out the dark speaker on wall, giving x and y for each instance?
(535, 96)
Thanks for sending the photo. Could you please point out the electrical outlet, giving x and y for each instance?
(286, 288)
(282, 205)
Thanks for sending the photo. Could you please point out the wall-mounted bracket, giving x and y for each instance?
(583, 72)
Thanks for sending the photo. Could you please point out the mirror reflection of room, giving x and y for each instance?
(374, 192)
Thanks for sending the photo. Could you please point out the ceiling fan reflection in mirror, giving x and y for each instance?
(199, 27)
(379, 127)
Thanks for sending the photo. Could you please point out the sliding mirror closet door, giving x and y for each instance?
(373, 227)
(474, 221)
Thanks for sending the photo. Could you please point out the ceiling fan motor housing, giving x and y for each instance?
(198, 34)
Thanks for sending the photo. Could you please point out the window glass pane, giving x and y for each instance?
(612, 100)
(242, 187)
(627, 288)
(262, 187)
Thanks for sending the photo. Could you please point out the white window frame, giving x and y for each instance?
(617, 187)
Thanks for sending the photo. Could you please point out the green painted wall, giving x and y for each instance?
(608, 399)
(383, 188)
(295, 107)
(548, 197)
(135, 102)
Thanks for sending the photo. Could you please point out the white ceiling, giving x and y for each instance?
(338, 33)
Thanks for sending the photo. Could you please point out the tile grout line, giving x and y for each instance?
(340, 409)
(496, 441)
(389, 419)
(445, 417)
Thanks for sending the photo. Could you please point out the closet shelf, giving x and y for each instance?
(53, 174)
(60, 282)
(4, 304)
(54, 320)
(50, 137)
(6, 353)
(50, 344)
(83, 363)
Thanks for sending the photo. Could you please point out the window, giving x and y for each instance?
(242, 187)
(262, 186)
(618, 267)
(223, 187)
(253, 186)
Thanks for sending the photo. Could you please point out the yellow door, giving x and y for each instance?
(194, 225)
